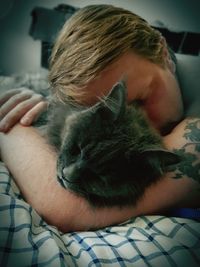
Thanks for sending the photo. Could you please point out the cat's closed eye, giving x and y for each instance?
(75, 150)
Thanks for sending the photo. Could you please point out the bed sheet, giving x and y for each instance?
(27, 240)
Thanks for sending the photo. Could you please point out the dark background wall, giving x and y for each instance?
(20, 52)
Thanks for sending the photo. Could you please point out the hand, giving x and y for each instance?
(20, 105)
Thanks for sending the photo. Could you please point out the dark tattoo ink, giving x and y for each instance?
(190, 164)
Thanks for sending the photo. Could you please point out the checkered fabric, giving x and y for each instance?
(27, 240)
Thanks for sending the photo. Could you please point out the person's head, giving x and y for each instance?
(101, 44)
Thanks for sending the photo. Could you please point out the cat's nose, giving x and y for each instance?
(68, 171)
(74, 169)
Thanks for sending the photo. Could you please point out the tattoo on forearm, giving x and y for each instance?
(189, 165)
(194, 133)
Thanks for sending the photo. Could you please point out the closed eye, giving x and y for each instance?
(75, 151)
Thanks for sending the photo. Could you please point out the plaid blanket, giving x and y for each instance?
(27, 240)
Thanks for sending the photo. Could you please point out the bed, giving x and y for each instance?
(27, 240)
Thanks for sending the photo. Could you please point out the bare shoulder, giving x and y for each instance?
(188, 70)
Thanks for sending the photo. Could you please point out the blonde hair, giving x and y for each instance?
(91, 39)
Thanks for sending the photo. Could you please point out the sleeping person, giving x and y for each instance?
(86, 62)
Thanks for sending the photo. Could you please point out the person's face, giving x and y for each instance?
(155, 86)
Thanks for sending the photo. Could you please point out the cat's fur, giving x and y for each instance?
(108, 153)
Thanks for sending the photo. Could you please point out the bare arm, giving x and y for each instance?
(170, 192)
(185, 141)
(33, 164)
(15, 151)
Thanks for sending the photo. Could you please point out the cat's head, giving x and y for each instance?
(110, 153)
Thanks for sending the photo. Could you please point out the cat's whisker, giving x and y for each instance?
(110, 103)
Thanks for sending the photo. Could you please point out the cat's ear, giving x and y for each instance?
(161, 158)
(113, 106)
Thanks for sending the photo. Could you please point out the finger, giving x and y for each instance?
(7, 95)
(13, 101)
(18, 112)
(34, 113)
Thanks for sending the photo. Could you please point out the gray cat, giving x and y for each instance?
(108, 153)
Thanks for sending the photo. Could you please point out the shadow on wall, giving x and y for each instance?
(45, 26)
(18, 50)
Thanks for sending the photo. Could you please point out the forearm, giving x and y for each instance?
(184, 192)
(185, 140)
(28, 164)
(32, 163)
